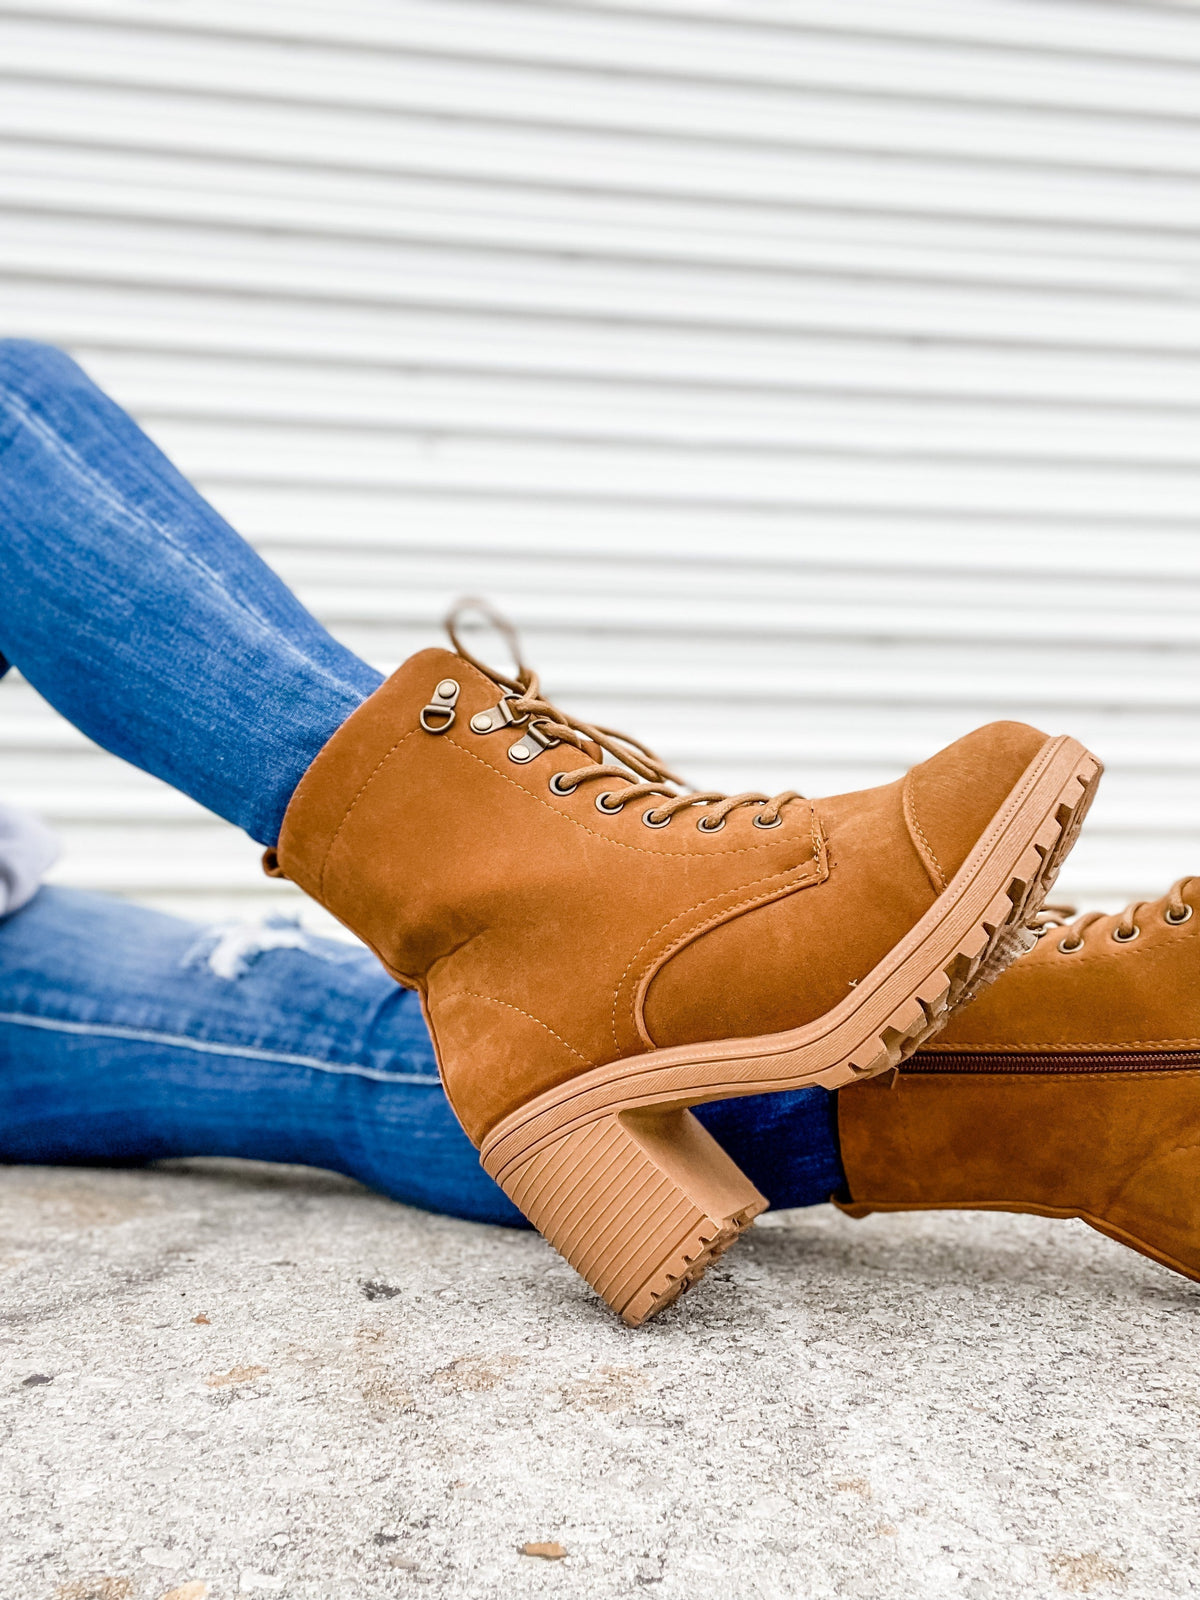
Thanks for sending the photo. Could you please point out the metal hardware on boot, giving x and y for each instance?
(441, 706)
(494, 717)
(775, 822)
(531, 743)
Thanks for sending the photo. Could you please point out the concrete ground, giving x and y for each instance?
(220, 1379)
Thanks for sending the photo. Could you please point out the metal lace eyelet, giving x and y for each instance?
(758, 822)
(497, 716)
(1069, 949)
(1177, 922)
(609, 811)
(439, 715)
(651, 821)
(707, 825)
(1126, 938)
(559, 786)
(530, 745)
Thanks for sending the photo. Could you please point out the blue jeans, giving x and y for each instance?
(128, 1036)
(139, 613)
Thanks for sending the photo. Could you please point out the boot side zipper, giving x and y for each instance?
(1054, 1061)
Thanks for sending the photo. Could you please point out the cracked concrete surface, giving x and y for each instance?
(221, 1379)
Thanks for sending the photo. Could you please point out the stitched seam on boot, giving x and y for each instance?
(492, 1000)
(693, 934)
(917, 833)
(805, 873)
(383, 760)
(644, 850)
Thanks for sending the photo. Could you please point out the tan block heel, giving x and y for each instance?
(639, 1202)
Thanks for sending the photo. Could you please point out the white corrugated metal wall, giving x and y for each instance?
(832, 367)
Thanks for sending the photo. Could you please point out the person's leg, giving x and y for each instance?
(127, 1036)
(144, 618)
(786, 1144)
(140, 614)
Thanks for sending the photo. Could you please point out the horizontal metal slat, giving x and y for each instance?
(211, 455)
(1131, 32)
(356, 44)
(868, 594)
(404, 278)
(753, 180)
(75, 184)
(558, 140)
(100, 315)
(1043, 547)
(461, 122)
(425, 402)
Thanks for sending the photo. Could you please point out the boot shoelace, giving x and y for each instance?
(1175, 911)
(635, 767)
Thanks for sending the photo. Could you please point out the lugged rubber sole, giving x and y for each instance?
(618, 1175)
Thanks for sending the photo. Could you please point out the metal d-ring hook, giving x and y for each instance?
(441, 707)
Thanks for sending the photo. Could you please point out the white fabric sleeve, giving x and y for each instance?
(27, 850)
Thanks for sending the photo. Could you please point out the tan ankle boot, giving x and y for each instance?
(597, 952)
(1070, 1089)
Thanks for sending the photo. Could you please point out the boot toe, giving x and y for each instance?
(950, 799)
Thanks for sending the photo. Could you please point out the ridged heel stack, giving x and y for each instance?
(639, 1202)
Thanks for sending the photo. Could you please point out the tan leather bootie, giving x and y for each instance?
(598, 952)
(1070, 1089)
